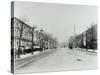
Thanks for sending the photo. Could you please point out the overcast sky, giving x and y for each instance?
(57, 19)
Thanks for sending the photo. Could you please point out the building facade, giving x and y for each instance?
(21, 34)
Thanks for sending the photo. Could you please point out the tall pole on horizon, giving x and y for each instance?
(74, 34)
(74, 30)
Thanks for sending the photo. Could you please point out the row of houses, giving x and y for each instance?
(24, 36)
(20, 34)
(87, 39)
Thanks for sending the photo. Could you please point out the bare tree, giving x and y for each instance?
(22, 21)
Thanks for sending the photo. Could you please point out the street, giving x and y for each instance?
(60, 59)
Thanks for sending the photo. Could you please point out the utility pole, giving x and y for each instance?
(74, 35)
(74, 30)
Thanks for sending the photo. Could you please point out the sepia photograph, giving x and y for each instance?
(50, 37)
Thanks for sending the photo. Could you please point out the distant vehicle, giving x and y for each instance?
(71, 45)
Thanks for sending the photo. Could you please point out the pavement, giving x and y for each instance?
(27, 58)
(60, 59)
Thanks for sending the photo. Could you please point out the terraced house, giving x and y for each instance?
(21, 34)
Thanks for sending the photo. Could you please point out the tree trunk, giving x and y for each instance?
(32, 39)
(21, 30)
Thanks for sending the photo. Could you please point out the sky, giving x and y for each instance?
(57, 19)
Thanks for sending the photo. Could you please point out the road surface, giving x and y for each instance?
(60, 59)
